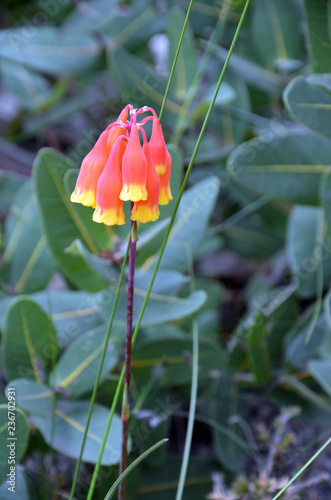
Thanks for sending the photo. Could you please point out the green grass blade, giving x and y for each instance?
(134, 464)
(175, 60)
(189, 168)
(192, 92)
(191, 418)
(325, 445)
(95, 388)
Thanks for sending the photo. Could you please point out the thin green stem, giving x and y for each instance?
(325, 445)
(134, 464)
(194, 87)
(95, 388)
(194, 390)
(157, 264)
(175, 60)
(191, 417)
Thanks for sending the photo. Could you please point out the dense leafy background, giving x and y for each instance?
(255, 222)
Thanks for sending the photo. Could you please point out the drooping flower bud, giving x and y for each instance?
(165, 191)
(109, 206)
(134, 169)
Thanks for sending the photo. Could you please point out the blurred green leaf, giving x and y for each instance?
(308, 98)
(32, 396)
(10, 182)
(30, 262)
(164, 283)
(10, 447)
(23, 490)
(299, 352)
(91, 16)
(50, 50)
(250, 72)
(196, 207)
(72, 313)
(307, 250)
(275, 29)
(69, 424)
(226, 408)
(287, 166)
(29, 341)
(139, 81)
(319, 46)
(133, 29)
(63, 222)
(163, 485)
(321, 371)
(326, 205)
(173, 357)
(103, 265)
(257, 348)
(187, 58)
(225, 119)
(252, 238)
(32, 89)
(77, 368)
(161, 307)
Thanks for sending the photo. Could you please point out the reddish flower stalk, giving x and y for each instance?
(128, 350)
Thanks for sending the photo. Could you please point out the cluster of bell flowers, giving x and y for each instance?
(118, 168)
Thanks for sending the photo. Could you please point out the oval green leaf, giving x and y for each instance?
(308, 98)
(11, 445)
(77, 368)
(29, 341)
(63, 222)
(288, 166)
(69, 424)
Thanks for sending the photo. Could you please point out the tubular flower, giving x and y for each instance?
(158, 147)
(165, 191)
(113, 134)
(148, 210)
(119, 169)
(109, 208)
(92, 166)
(134, 169)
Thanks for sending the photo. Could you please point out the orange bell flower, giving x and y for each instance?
(92, 166)
(165, 191)
(134, 169)
(158, 147)
(109, 206)
(148, 210)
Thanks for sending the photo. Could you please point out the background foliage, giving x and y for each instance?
(254, 221)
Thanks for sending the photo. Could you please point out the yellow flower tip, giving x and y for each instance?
(144, 214)
(161, 169)
(109, 217)
(165, 196)
(133, 192)
(86, 198)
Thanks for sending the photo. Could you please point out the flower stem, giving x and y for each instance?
(128, 349)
